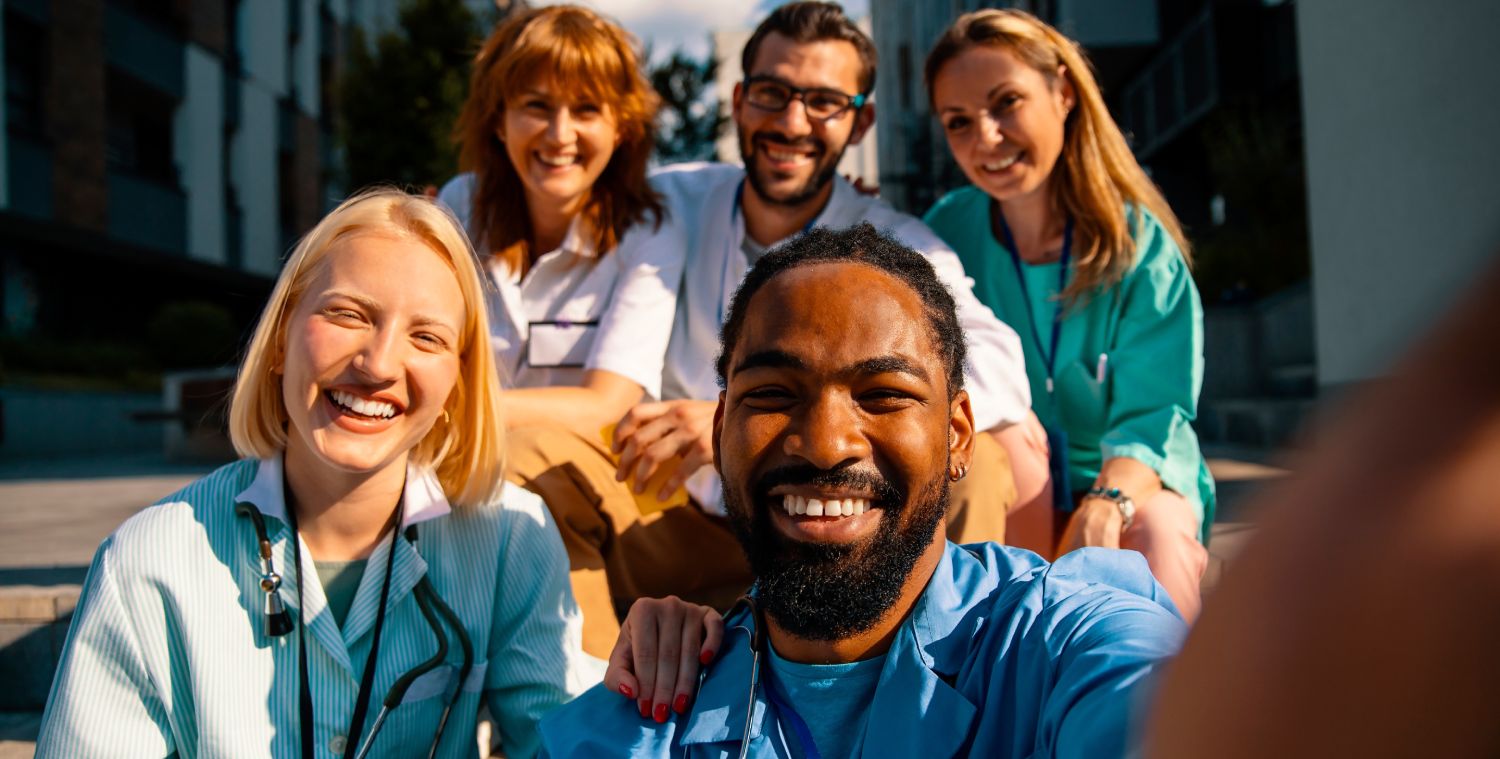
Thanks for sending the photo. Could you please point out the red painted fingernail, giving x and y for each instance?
(626, 691)
(645, 705)
(680, 705)
(661, 712)
(707, 656)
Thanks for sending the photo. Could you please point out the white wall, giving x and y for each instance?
(198, 134)
(305, 60)
(253, 172)
(264, 26)
(1403, 170)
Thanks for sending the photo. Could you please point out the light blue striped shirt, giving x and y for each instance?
(167, 652)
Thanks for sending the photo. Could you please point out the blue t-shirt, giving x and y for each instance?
(832, 699)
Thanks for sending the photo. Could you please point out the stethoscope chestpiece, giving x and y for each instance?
(278, 619)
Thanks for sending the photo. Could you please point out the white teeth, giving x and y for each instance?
(1003, 164)
(565, 160)
(796, 505)
(783, 155)
(363, 406)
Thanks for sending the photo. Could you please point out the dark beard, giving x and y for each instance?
(822, 175)
(823, 592)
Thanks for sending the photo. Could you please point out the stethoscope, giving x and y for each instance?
(782, 709)
(278, 622)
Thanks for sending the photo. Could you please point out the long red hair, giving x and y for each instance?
(581, 53)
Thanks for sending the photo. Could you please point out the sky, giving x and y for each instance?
(667, 25)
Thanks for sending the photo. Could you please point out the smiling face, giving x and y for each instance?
(559, 144)
(1003, 119)
(371, 355)
(844, 411)
(789, 158)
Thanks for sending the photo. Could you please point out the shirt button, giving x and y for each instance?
(337, 744)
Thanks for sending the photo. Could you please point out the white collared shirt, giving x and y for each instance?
(576, 309)
(168, 655)
(700, 197)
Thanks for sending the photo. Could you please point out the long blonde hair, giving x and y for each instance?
(1099, 175)
(467, 451)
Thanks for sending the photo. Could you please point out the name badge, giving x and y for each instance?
(560, 344)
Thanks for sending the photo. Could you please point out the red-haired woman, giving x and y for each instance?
(555, 136)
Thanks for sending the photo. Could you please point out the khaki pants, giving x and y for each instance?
(616, 554)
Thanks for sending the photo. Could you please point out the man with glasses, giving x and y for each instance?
(809, 73)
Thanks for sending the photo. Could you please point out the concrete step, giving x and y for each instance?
(18, 731)
(33, 626)
(1262, 422)
(1292, 381)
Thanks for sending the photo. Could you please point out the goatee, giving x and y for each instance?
(827, 592)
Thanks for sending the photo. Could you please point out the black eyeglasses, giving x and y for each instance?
(773, 95)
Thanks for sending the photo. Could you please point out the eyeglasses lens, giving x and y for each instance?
(820, 104)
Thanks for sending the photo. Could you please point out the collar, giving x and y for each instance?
(843, 209)
(919, 712)
(424, 494)
(579, 241)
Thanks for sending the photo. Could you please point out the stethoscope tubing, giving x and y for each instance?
(432, 607)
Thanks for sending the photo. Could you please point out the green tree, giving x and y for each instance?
(690, 121)
(400, 96)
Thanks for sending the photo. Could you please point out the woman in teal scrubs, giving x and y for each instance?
(1069, 241)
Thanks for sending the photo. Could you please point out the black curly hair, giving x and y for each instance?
(861, 244)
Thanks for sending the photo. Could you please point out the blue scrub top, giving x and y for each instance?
(1004, 655)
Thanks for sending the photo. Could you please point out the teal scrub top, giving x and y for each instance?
(1129, 361)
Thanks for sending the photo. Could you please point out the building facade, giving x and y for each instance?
(162, 150)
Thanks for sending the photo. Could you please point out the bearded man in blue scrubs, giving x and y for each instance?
(841, 426)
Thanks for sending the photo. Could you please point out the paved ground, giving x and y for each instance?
(53, 513)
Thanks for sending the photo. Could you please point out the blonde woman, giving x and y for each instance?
(1069, 241)
(363, 578)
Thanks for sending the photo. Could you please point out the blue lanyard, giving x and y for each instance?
(1049, 355)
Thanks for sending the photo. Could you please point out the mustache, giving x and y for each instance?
(780, 140)
(886, 494)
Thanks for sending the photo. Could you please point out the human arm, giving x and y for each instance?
(1109, 634)
(651, 434)
(103, 700)
(1098, 521)
(1378, 563)
(602, 399)
(1150, 382)
(662, 643)
(535, 645)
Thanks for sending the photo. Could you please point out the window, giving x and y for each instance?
(139, 129)
(25, 75)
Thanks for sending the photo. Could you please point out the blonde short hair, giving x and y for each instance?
(467, 449)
